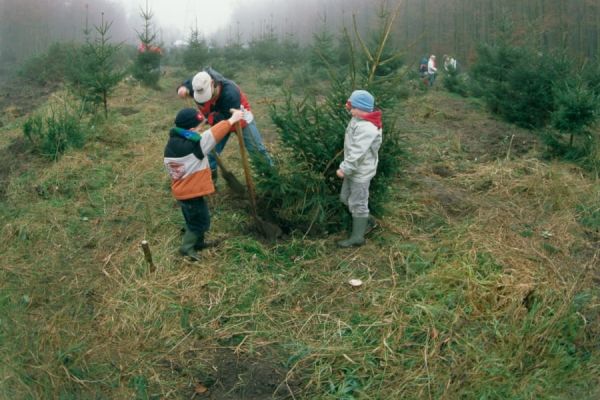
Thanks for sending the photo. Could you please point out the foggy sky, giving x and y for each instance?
(176, 18)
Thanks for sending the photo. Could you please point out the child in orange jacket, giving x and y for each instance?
(186, 160)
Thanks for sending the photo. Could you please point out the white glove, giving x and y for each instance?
(248, 116)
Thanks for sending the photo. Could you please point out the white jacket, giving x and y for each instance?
(361, 147)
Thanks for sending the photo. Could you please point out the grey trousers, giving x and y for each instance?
(356, 196)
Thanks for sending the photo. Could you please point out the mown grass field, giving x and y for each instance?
(482, 282)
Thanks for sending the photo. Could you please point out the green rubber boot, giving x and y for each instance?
(202, 243)
(359, 226)
(187, 246)
(371, 225)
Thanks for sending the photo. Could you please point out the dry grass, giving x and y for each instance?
(478, 285)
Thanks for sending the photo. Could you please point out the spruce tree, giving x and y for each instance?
(266, 49)
(576, 108)
(146, 67)
(196, 53)
(93, 75)
(322, 50)
(576, 112)
(302, 193)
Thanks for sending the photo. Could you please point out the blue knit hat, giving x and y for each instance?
(362, 100)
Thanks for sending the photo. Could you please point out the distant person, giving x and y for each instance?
(423, 70)
(187, 164)
(362, 141)
(449, 63)
(215, 96)
(431, 69)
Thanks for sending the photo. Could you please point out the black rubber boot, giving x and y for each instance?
(359, 226)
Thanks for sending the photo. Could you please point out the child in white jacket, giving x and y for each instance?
(361, 155)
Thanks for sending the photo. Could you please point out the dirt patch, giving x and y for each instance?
(472, 130)
(494, 139)
(455, 202)
(125, 111)
(258, 376)
(18, 98)
(442, 170)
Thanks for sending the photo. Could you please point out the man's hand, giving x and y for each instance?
(340, 173)
(236, 116)
(248, 116)
(182, 92)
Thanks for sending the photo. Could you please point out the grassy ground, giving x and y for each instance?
(481, 283)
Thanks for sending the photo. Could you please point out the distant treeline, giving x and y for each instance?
(29, 27)
(454, 27)
(458, 26)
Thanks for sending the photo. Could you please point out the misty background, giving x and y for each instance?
(28, 27)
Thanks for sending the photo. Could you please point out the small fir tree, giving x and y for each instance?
(94, 75)
(591, 75)
(146, 67)
(196, 53)
(455, 82)
(576, 112)
(516, 81)
(266, 49)
(322, 50)
(303, 192)
(291, 50)
(576, 108)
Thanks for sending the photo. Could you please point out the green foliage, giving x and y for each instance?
(382, 56)
(234, 51)
(53, 135)
(343, 50)
(296, 79)
(322, 50)
(146, 66)
(270, 50)
(591, 75)
(196, 53)
(93, 76)
(51, 67)
(139, 384)
(232, 56)
(543, 90)
(517, 82)
(304, 191)
(266, 50)
(455, 82)
(589, 215)
(575, 109)
(291, 50)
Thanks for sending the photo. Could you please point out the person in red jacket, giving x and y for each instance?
(215, 96)
(186, 162)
